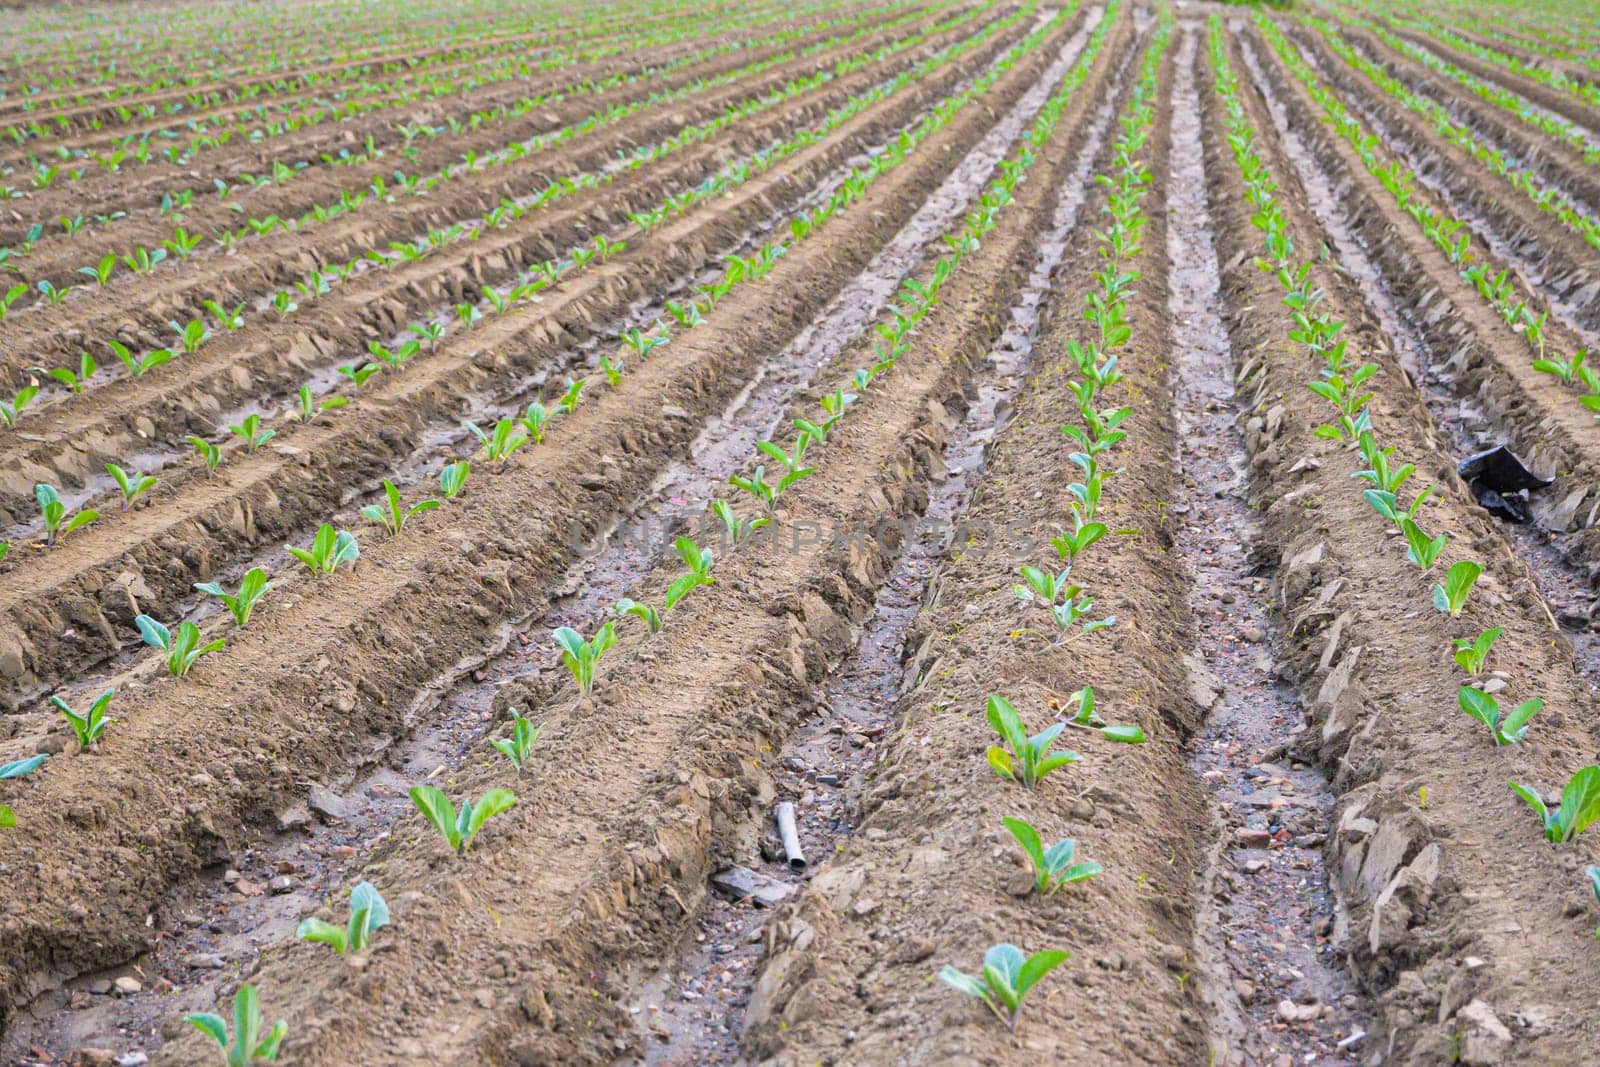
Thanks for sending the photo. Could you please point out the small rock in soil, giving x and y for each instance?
(1290, 1012)
(737, 883)
(127, 985)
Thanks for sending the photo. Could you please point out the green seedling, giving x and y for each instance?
(131, 485)
(252, 588)
(454, 478)
(535, 422)
(520, 743)
(1580, 805)
(10, 412)
(613, 371)
(737, 529)
(699, 562)
(429, 331)
(1421, 549)
(73, 380)
(182, 648)
(1451, 597)
(1470, 656)
(460, 828)
(1070, 546)
(1508, 730)
(5, 550)
(390, 514)
(368, 912)
(251, 433)
(1029, 759)
(311, 407)
(137, 366)
(643, 612)
(209, 452)
(358, 373)
(580, 657)
(248, 1044)
(502, 441)
(23, 767)
(1053, 866)
(1006, 978)
(1089, 719)
(89, 726)
(1564, 369)
(396, 358)
(328, 550)
(570, 399)
(57, 523)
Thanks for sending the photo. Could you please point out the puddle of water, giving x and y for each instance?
(1270, 924)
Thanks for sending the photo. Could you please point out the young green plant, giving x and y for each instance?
(252, 588)
(87, 727)
(368, 913)
(517, 747)
(1029, 758)
(248, 1043)
(1006, 977)
(182, 648)
(459, 828)
(391, 515)
(1053, 867)
(1580, 805)
(328, 551)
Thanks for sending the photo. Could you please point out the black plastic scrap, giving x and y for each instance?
(1500, 482)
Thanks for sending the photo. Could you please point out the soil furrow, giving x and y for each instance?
(267, 497)
(122, 417)
(1267, 910)
(1439, 865)
(745, 695)
(328, 674)
(137, 314)
(1487, 358)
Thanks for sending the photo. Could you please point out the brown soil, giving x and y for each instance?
(1312, 859)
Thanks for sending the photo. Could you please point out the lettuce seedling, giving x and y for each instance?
(131, 485)
(358, 373)
(390, 515)
(89, 726)
(208, 452)
(248, 1044)
(1483, 707)
(137, 366)
(1470, 656)
(9, 413)
(252, 434)
(182, 648)
(23, 767)
(460, 828)
(252, 588)
(454, 478)
(396, 358)
(368, 912)
(520, 743)
(1451, 597)
(1089, 719)
(580, 656)
(502, 441)
(311, 407)
(1007, 976)
(736, 528)
(1029, 759)
(643, 612)
(56, 521)
(535, 422)
(8, 818)
(1053, 866)
(699, 562)
(73, 380)
(5, 550)
(1422, 550)
(570, 399)
(1580, 805)
(328, 550)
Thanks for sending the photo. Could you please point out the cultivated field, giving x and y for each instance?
(544, 533)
